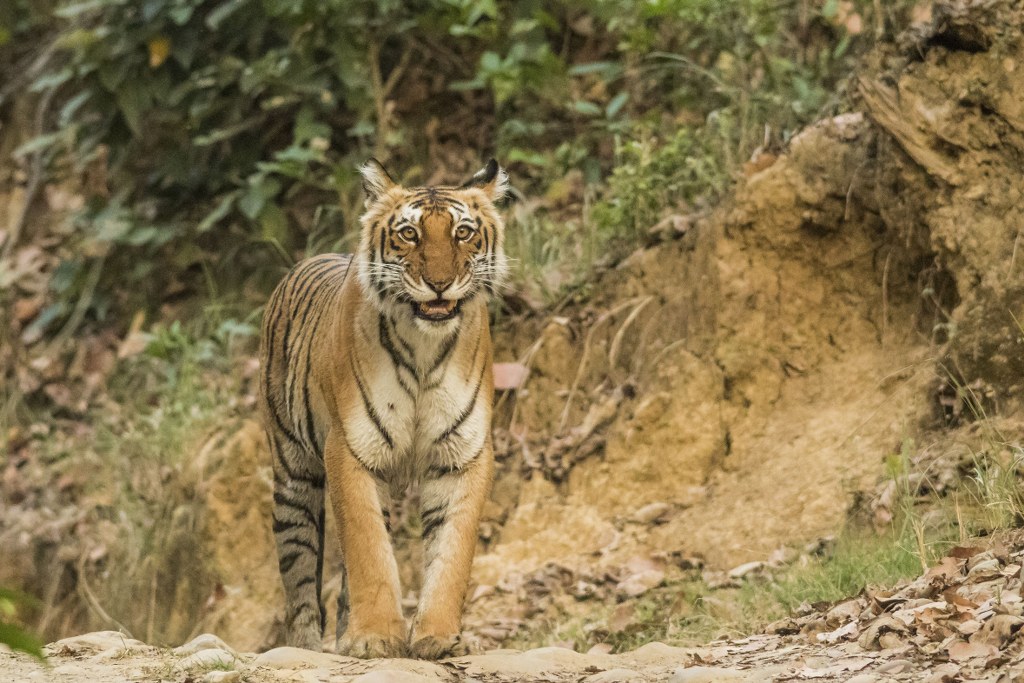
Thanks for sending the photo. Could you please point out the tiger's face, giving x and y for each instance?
(427, 251)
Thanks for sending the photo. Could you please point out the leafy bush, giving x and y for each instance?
(219, 137)
(12, 635)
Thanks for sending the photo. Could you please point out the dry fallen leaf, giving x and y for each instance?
(509, 376)
(960, 650)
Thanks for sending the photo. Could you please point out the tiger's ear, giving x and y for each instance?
(492, 179)
(376, 180)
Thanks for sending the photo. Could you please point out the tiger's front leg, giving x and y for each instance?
(376, 627)
(450, 506)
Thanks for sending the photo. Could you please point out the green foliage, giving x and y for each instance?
(220, 137)
(12, 635)
(650, 176)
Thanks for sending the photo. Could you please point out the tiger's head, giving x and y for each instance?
(428, 251)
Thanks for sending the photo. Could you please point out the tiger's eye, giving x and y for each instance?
(463, 233)
(408, 234)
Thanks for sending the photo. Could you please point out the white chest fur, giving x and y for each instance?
(421, 403)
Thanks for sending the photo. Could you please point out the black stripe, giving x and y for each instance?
(306, 279)
(398, 361)
(314, 480)
(370, 410)
(308, 349)
(288, 561)
(389, 345)
(320, 572)
(280, 499)
(267, 393)
(438, 470)
(295, 305)
(281, 525)
(373, 471)
(433, 520)
(405, 345)
(449, 344)
(302, 543)
(464, 415)
(304, 581)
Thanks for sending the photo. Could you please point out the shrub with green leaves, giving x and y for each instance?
(11, 634)
(220, 137)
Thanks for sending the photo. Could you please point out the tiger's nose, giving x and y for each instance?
(439, 285)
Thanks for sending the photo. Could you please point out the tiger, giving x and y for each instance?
(376, 373)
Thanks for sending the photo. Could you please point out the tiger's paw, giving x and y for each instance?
(371, 645)
(437, 647)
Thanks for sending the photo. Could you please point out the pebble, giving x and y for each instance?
(393, 676)
(99, 641)
(705, 674)
(641, 582)
(297, 658)
(206, 658)
(660, 653)
(746, 569)
(529, 665)
(895, 666)
(614, 676)
(206, 641)
(222, 677)
(651, 513)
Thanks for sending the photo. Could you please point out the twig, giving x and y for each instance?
(35, 177)
(90, 598)
(527, 361)
(616, 346)
(885, 295)
(382, 90)
(81, 307)
(585, 354)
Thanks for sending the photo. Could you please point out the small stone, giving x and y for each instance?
(653, 513)
(206, 658)
(614, 676)
(222, 677)
(392, 676)
(662, 654)
(747, 569)
(640, 583)
(843, 613)
(705, 674)
(99, 641)
(297, 658)
(895, 666)
(206, 641)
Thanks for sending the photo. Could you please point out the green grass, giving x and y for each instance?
(687, 611)
(130, 454)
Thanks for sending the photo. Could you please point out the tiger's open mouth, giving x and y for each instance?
(437, 310)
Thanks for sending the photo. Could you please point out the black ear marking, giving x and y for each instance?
(484, 175)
